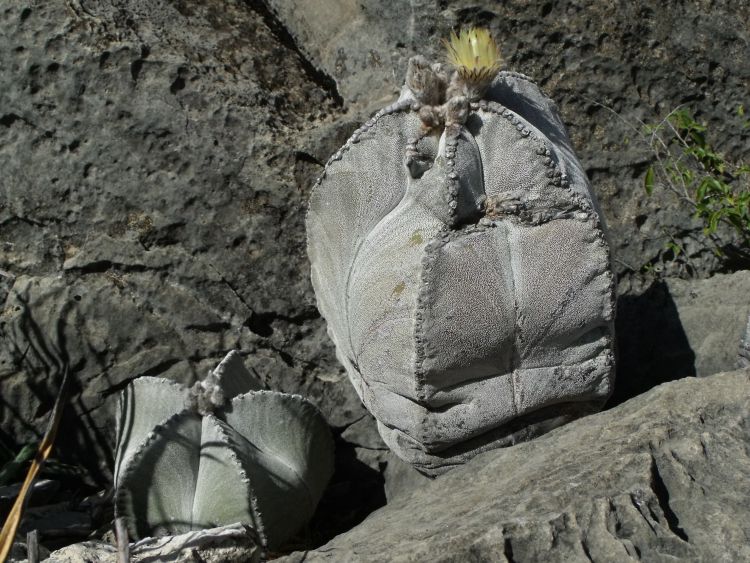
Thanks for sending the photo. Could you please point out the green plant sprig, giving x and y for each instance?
(688, 165)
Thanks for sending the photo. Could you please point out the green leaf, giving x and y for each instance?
(675, 248)
(717, 188)
(713, 222)
(14, 468)
(700, 193)
(648, 181)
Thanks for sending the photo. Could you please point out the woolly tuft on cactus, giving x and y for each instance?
(460, 261)
(190, 459)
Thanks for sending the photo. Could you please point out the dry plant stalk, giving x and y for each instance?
(12, 523)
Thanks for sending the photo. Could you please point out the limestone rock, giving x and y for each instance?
(663, 477)
(713, 313)
(150, 153)
(679, 328)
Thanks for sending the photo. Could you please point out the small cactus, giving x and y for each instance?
(459, 258)
(224, 451)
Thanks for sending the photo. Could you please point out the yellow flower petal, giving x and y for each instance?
(474, 53)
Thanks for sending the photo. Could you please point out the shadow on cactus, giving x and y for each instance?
(224, 451)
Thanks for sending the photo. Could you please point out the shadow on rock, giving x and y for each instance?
(40, 349)
(355, 491)
(652, 347)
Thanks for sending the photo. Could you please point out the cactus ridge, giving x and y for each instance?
(428, 258)
(542, 149)
(123, 499)
(397, 107)
(171, 398)
(247, 441)
(314, 425)
(257, 516)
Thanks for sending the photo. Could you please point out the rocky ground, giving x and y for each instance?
(156, 161)
(663, 477)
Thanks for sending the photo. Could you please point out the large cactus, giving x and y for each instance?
(461, 263)
(222, 452)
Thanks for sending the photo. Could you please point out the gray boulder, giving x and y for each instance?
(679, 328)
(151, 153)
(663, 477)
(713, 314)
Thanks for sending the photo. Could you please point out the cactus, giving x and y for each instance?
(461, 263)
(224, 451)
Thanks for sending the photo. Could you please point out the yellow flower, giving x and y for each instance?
(475, 55)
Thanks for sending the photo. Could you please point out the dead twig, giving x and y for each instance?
(12, 523)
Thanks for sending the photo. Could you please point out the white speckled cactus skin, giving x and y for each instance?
(465, 274)
(229, 452)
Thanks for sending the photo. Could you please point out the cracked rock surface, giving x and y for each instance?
(663, 477)
(151, 216)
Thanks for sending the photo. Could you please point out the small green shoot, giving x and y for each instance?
(14, 468)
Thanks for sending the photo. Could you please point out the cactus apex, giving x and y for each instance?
(475, 55)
